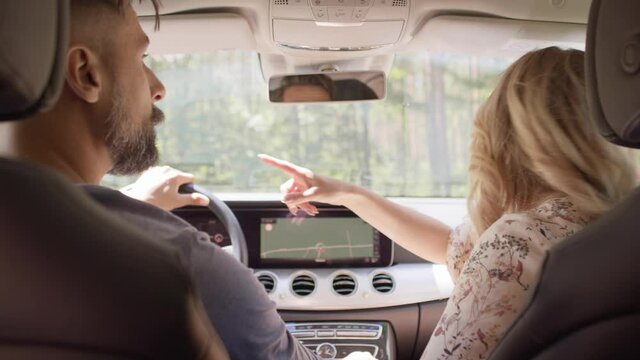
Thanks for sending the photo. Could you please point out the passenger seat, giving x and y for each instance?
(587, 303)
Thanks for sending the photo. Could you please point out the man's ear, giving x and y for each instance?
(84, 75)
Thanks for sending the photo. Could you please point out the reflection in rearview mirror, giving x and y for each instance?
(335, 86)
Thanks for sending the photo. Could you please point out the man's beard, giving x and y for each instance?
(132, 146)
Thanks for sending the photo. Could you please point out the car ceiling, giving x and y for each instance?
(491, 28)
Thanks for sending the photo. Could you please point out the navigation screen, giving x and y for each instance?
(318, 240)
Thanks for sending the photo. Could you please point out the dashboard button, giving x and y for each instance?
(364, 3)
(303, 334)
(326, 333)
(218, 238)
(356, 333)
(340, 14)
(341, 2)
(360, 13)
(382, 3)
(320, 13)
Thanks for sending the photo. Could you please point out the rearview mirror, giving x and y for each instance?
(335, 86)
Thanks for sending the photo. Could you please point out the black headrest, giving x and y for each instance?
(74, 280)
(613, 69)
(33, 41)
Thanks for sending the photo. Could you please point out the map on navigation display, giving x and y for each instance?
(317, 239)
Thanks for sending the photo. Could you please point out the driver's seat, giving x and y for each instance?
(75, 282)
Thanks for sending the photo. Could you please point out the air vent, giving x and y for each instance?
(268, 281)
(383, 283)
(344, 284)
(399, 3)
(303, 285)
(280, 2)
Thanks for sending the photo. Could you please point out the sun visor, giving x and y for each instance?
(494, 37)
(613, 70)
(182, 34)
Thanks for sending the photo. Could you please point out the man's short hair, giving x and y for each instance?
(117, 5)
(320, 80)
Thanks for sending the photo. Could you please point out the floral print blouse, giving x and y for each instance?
(494, 275)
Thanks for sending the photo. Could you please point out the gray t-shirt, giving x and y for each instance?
(235, 301)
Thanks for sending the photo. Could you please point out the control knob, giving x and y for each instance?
(326, 351)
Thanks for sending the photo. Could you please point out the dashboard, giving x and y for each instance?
(277, 239)
(340, 284)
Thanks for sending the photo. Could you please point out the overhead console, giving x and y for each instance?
(338, 25)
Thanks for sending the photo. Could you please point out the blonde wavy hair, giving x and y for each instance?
(533, 140)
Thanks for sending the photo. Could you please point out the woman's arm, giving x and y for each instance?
(418, 233)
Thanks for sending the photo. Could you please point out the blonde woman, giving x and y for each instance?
(538, 173)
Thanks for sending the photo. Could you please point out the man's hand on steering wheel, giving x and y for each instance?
(168, 188)
(159, 186)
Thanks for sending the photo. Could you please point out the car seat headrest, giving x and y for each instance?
(613, 70)
(33, 41)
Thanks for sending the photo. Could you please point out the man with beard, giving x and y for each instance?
(104, 123)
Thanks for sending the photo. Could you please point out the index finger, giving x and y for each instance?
(295, 171)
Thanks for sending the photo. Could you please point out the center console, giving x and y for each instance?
(336, 340)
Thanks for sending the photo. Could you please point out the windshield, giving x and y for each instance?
(412, 144)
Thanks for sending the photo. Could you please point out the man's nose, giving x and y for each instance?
(158, 90)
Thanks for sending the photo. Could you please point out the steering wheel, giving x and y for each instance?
(228, 219)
